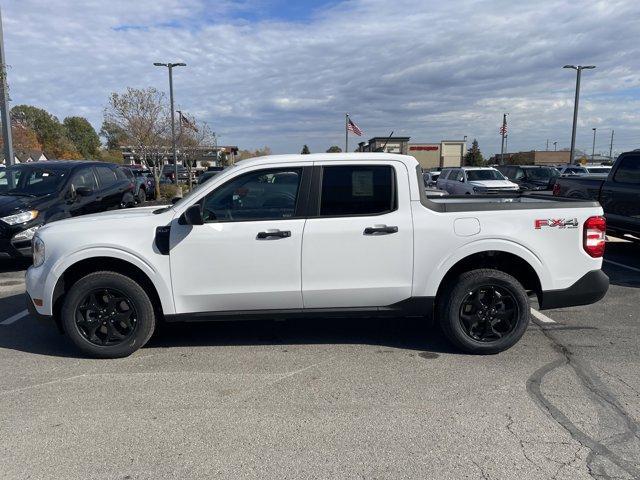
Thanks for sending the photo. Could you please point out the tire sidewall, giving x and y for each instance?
(450, 316)
(136, 294)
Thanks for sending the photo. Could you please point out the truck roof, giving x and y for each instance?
(409, 161)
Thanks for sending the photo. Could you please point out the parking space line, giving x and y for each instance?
(541, 316)
(15, 318)
(623, 265)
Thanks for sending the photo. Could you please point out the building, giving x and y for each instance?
(447, 153)
(199, 155)
(385, 144)
(26, 156)
(533, 157)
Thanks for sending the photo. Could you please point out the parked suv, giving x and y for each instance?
(144, 186)
(474, 180)
(530, 177)
(169, 171)
(43, 192)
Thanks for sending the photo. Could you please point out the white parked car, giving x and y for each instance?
(570, 170)
(598, 169)
(474, 180)
(322, 235)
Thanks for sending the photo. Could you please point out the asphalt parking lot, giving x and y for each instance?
(328, 398)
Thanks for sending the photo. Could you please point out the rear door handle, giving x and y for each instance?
(380, 230)
(273, 234)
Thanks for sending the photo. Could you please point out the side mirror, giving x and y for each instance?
(83, 191)
(175, 200)
(191, 216)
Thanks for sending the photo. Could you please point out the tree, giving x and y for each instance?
(192, 136)
(334, 149)
(83, 136)
(138, 117)
(305, 150)
(50, 133)
(474, 158)
(24, 137)
(114, 135)
(244, 154)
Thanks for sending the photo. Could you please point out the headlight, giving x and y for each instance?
(37, 247)
(25, 234)
(21, 217)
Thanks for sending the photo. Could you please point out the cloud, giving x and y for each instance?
(269, 75)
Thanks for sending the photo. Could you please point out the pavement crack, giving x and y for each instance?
(605, 402)
(509, 427)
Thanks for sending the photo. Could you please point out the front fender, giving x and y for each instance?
(486, 245)
(156, 277)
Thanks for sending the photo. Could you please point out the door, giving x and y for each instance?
(247, 254)
(357, 249)
(85, 203)
(110, 189)
(458, 185)
(619, 196)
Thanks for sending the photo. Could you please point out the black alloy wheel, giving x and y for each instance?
(106, 317)
(488, 313)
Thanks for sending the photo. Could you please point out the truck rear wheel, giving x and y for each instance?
(484, 311)
(108, 315)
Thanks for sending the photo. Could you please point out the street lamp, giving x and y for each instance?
(173, 123)
(593, 148)
(578, 70)
(555, 146)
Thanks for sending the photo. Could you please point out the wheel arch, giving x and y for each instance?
(501, 260)
(76, 270)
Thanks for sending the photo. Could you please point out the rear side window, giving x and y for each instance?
(106, 176)
(124, 174)
(357, 190)
(628, 170)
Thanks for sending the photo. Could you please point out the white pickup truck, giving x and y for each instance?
(328, 235)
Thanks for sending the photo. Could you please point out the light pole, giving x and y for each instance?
(578, 70)
(4, 107)
(555, 146)
(593, 147)
(173, 123)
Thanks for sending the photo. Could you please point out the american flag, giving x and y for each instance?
(503, 129)
(352, 127)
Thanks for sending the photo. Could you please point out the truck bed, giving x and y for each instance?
(466, 203)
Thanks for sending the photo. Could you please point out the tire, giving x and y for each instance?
(140, 323)
(482, 330)
(141, 197)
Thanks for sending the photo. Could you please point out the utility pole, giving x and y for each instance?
(547, 149)
(611, 147)
(503, 132)
(346, 133)
(578, 70)
(555, 146)
(173, 122)
(4, 107)
(593, 148)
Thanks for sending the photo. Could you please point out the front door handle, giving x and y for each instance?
(273, 234)
(380, 230)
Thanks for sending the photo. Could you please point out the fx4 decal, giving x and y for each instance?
(556, 222)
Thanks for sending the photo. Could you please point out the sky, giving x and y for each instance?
(283, 73)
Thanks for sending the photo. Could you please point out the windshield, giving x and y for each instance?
(543, 173)
(32, 180)
(474, 175)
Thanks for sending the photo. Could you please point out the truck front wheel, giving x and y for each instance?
(108, 315)
(483, 311)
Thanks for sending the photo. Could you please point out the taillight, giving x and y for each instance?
(595, 229)
(556, 190)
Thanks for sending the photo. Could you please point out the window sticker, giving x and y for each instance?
(362, 183)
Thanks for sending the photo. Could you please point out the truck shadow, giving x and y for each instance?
(416, 334)
(619, 255)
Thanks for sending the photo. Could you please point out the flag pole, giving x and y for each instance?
(346, 132)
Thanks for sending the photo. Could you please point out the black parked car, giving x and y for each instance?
(43, 192)
(530, 177)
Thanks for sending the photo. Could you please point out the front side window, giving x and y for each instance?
(459, 176)
(629, 170)
(357, 190)
(260, 195)
(84, 178)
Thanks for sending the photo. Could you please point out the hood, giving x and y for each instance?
(493, 184)
(10, 204)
